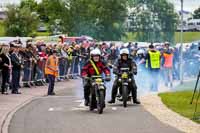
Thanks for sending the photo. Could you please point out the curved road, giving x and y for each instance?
(65, 113)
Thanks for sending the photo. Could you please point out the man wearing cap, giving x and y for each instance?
(16, 62)
(153, 65)
(51, 70)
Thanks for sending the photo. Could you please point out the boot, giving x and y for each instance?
(134, 94)
(111, 101)
(93, 103)
(86, 103)
(136, 101)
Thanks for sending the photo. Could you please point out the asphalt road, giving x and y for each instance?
(65, 113)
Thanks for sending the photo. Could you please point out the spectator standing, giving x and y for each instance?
(168, 64)
(16, 62)
(28, 60)
(76, 54)
(51, 70)
(62, 63)
(153, 63)
(6, 67)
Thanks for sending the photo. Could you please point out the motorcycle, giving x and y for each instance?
(124, 79)
(97, 93)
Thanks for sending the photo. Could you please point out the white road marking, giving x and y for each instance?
(51, 109)
(83, 108)
(79, 101)
(46, 97)
(55, 109)
(114, 108)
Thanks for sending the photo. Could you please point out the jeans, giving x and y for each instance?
(154, 79)
(82, 63)
(72, 65)
(51, 79)
(76, 63)
(168, 76)
(15, 80)
(5, 80)
(62, 68)
(27, 73)
(39, 74)
(67, 65)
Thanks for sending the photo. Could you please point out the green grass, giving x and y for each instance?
(187, 37)
(42, 33)
(2, 29)
(180, 102)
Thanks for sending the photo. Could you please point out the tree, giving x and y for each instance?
(20, 21)
(52, 11)
(101, 19)
(153, 20)
(31, 4)
(197, 14)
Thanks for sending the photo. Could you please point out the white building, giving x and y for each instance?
(2, 12)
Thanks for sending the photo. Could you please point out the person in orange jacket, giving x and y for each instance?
(51, 70)
(168, 56)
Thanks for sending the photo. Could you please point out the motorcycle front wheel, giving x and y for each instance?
(101, 101)
(125, 95)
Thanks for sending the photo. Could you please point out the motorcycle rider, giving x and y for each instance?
(125, 62)
(93, 67)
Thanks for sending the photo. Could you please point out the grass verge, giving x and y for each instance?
(187, 37)
(180, 102)
(2, 29)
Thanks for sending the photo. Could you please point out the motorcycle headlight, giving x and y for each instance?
(124, 75)
(120, 80)
(129, 80)
(98, 81)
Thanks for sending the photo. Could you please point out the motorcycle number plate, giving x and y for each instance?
(125, 84)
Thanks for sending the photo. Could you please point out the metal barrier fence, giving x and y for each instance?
(70, 71)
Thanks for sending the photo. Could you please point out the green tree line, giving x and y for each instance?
(101, 19)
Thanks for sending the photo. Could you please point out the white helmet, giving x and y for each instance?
(124, 51)
(95, 52)
(125, 45)
(140, 51)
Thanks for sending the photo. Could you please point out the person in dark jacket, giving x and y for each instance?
(28, 61)
(125, 62)
(16, 62)
(6, 67)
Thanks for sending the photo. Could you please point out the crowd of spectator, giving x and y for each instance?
(24, 66)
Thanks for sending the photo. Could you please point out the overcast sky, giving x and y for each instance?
(189, 5)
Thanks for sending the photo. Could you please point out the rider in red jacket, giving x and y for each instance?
(93, 67)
